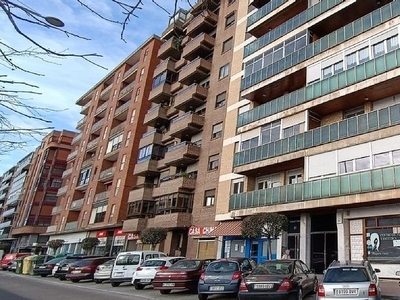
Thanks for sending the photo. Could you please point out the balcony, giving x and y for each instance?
(101, 110)
(5, 224)
(56, 210)
(72, 155)
(147, 167)
(67, 172)
(85, 108)
(87, 163)
(128, 73)
(201, 46)
(258, 3)
(161, 93)
(134, 225)
(96, 127)
(114, 152)
(107, 174)
(4, 186)
(62, 190)
(170, 48)
(174, 220)
(92, 145)
(196, 71)
(104, 95)
(125, 93)
(51, 228)
(174, 184)
(8, 212)
(191, 97)
(339, 187)
(101, 197)
(151, 137)
(85, 98)
(77, 205)
(186, 125)
(141, 192)
(157, 115)
(80, 123)
(204, 22)
(182, 154)
(12, 201)
(117, 129)
(168, 64)
(71, 225)
(77, 138)
(121, 113)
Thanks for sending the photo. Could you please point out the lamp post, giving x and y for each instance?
(51, 20)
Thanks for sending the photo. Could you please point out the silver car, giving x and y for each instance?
(103, 271)
(350, 280)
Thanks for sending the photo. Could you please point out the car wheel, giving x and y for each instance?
(62, 278)
(138, 286)
(315, 286)
(98, 281)
(300, 294)
(115, 284)
(75, 280)
(202, 296)
(43, 275)
(165, 292)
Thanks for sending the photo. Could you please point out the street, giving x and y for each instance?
(24, 287)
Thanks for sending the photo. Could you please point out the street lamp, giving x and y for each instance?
(54, 21)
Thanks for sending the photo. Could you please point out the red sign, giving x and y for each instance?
(118, 232)
(133, 236)
(200, 230)
(101, 234)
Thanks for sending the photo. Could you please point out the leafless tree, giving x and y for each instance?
(14, 95)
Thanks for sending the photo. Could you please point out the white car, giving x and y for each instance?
(146, 272)
(103, 272)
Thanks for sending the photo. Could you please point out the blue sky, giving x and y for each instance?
(65, 80)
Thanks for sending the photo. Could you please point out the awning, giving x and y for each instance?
(229, 228)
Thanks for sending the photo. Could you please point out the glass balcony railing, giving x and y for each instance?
(263, 11)
(290, 25)
(343, 185)
(334, 83)
(345, 33)
(375, 120)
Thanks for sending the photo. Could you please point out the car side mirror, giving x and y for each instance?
(398, 273)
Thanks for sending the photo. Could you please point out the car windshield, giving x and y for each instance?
(186, 264)
(351, 274)
(53, 261)
(128, 259)
(223, 266)
(82, 263)
(273, 268)
(154, 263)
(109, 262)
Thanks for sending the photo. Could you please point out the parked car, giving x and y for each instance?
(10, 257)
(224, 276)
(61, 268)
(286, 279)
(355, 280)
(84, 268)
(126, 264)
(146, 272)
(46, 268)
(184, 274)
(103, 271)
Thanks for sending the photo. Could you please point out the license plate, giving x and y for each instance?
(145, 280)
(118, 274)
(42, 267)
(263, 286)
(168, 284)
(75, 272)
(346, 292)
(216, 288)
(64, 268)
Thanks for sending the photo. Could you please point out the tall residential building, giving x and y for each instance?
(312, 130)
(42, 173)
(6, 216)
(179, 155)
(94, 194)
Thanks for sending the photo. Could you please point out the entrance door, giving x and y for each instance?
(294, 245)
(323, 250)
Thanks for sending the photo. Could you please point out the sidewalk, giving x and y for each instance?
(390, 289)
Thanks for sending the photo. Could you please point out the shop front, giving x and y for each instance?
(205, 244)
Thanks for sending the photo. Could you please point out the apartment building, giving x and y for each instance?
(5, 216)
(42, 172)
(179, 155)
(312, 130)
(99, 176)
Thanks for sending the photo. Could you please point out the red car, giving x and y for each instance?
(182, 275)
(85, 268)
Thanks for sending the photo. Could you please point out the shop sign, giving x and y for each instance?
(201, 230)
(119, 240)
(102, 242)
(101, 234)
(118, 232)
(133, 236)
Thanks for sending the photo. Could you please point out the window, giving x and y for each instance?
(224, 71)
(98, 214)
(145, 152)
(338, 67)
(146, 53)
(128, 138)
(346, 166)
(292, 130)
(110, 218)
(354, 112)
(267, 182)
(396, 157)
(250, 143)
(117, 187)
(217, 131)
(137, 94)
(227, 45)
(378, 49)
(141, 74)
(327, 72)
(100, 152)
(56, 183)
(83, 225)
(362, 163)
(351, 60)
(392, 43)
(123, 160)
(213, 162)
(114, 144)
(220, 100)
(294, 176)
(382, 159)
(105, 133)
(133, 116)
(270, 132)
(229, 20)
(84, 177)
(209, 198)
(363, 55)
(237, 187)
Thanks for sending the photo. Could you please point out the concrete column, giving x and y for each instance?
(305, 238)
